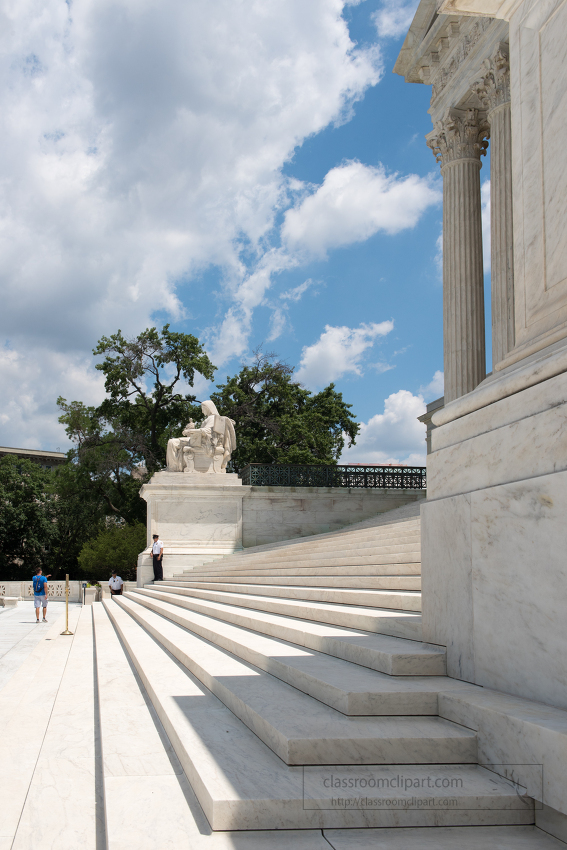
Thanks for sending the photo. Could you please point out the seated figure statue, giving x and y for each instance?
(207, 448)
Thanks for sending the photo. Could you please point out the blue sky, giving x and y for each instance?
(251, 173)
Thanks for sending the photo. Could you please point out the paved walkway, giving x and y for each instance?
(19, 634)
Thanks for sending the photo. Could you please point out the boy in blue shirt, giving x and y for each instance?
(40, 594)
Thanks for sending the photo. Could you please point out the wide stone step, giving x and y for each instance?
(242, 784)
(347, 687)
(298, 728)
(149, 801)
(367, 582)
(405, 544)
(413, 569)
(345, 559)
(444, 838)
(338, 539)
(401, 600)
(392, 655)
(339, 612)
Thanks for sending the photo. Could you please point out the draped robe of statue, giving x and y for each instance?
(207, 448)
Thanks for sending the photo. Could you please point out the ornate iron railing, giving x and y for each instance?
(382, 477)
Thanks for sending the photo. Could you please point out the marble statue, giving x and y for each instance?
(207, 448)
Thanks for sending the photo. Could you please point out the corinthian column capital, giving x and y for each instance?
(493, 88)
(460, 134)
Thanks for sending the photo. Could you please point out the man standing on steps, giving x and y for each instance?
(40, 594)
(157, 557)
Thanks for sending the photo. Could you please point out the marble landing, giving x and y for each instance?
(48, 782)
(19, 634)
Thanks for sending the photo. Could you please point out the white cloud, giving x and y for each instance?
(435, 388)
(354, 202)
(337, 352)
(144, 141)
(486, 235)
(278, 324)
(29, 417)
(394, 17)
(297, 292)
(395, 436)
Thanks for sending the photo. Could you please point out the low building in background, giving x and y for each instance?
(47, 460)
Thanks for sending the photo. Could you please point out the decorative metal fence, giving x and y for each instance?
(379, 477)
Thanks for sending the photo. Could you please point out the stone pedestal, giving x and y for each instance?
(197, 516)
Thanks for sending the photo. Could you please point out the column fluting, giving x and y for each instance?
(493, 90)
(458, 142)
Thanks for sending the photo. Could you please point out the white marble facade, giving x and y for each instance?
(493, 526)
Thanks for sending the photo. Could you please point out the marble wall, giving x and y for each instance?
(271, 514)
(495, 585)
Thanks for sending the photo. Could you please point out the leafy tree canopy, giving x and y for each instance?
(115, 548)
(79, 515)
(123, 440)
(27, 514)
(279, 421)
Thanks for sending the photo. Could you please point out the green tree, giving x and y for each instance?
(116, 548)
(147, 370)
(121, 442)
(279, 421)
(79, 516)
(27, 518)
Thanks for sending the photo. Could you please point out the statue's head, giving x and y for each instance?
(209, 408)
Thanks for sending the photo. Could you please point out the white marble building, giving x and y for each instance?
(494, 575)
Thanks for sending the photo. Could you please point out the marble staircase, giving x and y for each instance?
(271, 691)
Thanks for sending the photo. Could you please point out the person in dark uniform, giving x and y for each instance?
(157, 557)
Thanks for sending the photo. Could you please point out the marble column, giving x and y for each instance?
(458, 141)
(493, 90)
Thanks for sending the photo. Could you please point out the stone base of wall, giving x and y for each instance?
(272, 514)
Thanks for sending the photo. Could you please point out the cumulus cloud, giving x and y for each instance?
(28, 418)
(394, 436)
(394, 17)
(354, 202)
(337, 352)
(144, 142)
(435, 388)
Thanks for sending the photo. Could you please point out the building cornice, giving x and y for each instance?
(503, 9)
